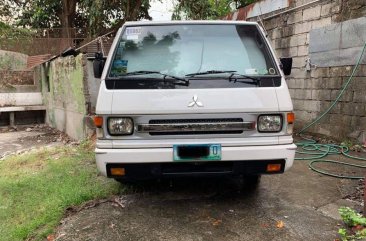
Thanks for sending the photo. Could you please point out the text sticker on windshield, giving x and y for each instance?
(251, 71)
(133, 31)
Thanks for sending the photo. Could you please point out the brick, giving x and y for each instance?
(358, 83)
(287, 31)
(311, 13)
(333, 83)
(291, 83)
(316, 73)
(312, 105)
(346, 97)
(299, 94)
(298, 104)
(302, 39)
(361, 71)
(326, 9)
(292, 93)
(325, 94)
(295, 17)
(299, 73)
(298, 62)
(309, 84)
(359, 96)
(315, 94)
(294, 41)
(303, 50)
(335, 110)
(321, 23)
(300, 83)
(302, 27)
(293, 51)
(318, 83)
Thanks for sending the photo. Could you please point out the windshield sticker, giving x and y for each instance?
(132, 37)
(251, 71)
(119, 67)
(133, 31)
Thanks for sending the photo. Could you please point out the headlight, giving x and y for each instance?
(269, 123)
(120, 126)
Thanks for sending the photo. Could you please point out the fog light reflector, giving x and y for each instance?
(273, 167)
(118, 171)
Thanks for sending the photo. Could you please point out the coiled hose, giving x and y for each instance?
(316, 152)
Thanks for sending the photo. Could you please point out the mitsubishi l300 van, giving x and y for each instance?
(192, 98)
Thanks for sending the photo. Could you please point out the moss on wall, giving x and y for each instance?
(63, 93)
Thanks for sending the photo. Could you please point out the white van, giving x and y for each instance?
(192, 98)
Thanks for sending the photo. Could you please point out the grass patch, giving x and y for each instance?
(36, 188)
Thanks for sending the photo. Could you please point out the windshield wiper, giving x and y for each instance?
(235, 78)
(181, 81)
(210, 72)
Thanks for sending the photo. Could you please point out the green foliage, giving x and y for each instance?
(36, 188)
(10, 32)
(98, 16)
(353, 220)
(207, 9)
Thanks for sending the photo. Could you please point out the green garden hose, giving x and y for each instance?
(315, 152)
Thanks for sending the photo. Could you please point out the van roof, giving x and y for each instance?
(181, 22)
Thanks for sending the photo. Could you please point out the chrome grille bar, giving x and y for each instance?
(199, 127)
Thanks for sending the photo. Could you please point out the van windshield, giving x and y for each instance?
(181, 50)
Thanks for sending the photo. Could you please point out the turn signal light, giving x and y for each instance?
(290, 118)
(98, 121)
(273, 167)
(117, 171)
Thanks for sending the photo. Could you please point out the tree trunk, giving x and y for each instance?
(67, 16)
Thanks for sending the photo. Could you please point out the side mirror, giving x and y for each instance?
(98, 65)
(286, 65)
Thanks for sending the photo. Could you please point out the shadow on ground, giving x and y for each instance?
(218, 209)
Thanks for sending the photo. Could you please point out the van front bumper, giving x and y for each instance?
(154, 162)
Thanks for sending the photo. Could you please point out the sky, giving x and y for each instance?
(161, 10)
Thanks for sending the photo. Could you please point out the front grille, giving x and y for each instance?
(179, 121)
(196, 126)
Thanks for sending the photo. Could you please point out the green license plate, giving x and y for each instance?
(205, 152)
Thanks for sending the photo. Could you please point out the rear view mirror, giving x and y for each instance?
(98, 65)
(286, 65)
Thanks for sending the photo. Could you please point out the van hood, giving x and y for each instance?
(177, 101)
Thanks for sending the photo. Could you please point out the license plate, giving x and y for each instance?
(206, 152)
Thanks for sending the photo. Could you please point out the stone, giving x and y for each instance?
(295, 17)
(311, 13)
(321, 23)
(303, 50)
(28, 129)
(326, 9)
(302, 27)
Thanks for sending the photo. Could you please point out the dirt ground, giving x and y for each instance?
(298, 205)
(24, 138)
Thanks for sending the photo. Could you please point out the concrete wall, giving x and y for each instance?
(312, 87)
(66, 95)
(12, 60)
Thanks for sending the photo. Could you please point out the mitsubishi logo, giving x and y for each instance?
(195, 102)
